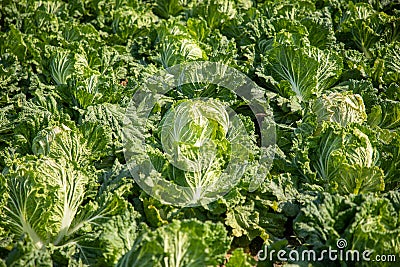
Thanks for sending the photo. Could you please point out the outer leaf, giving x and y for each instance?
(181, 243)
(61, 67)
(355, 179)
(294, 66)
(166, 8)
(329, 67)
(239, 258)
(386, 115)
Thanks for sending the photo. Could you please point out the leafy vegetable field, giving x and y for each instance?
(328, 70)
